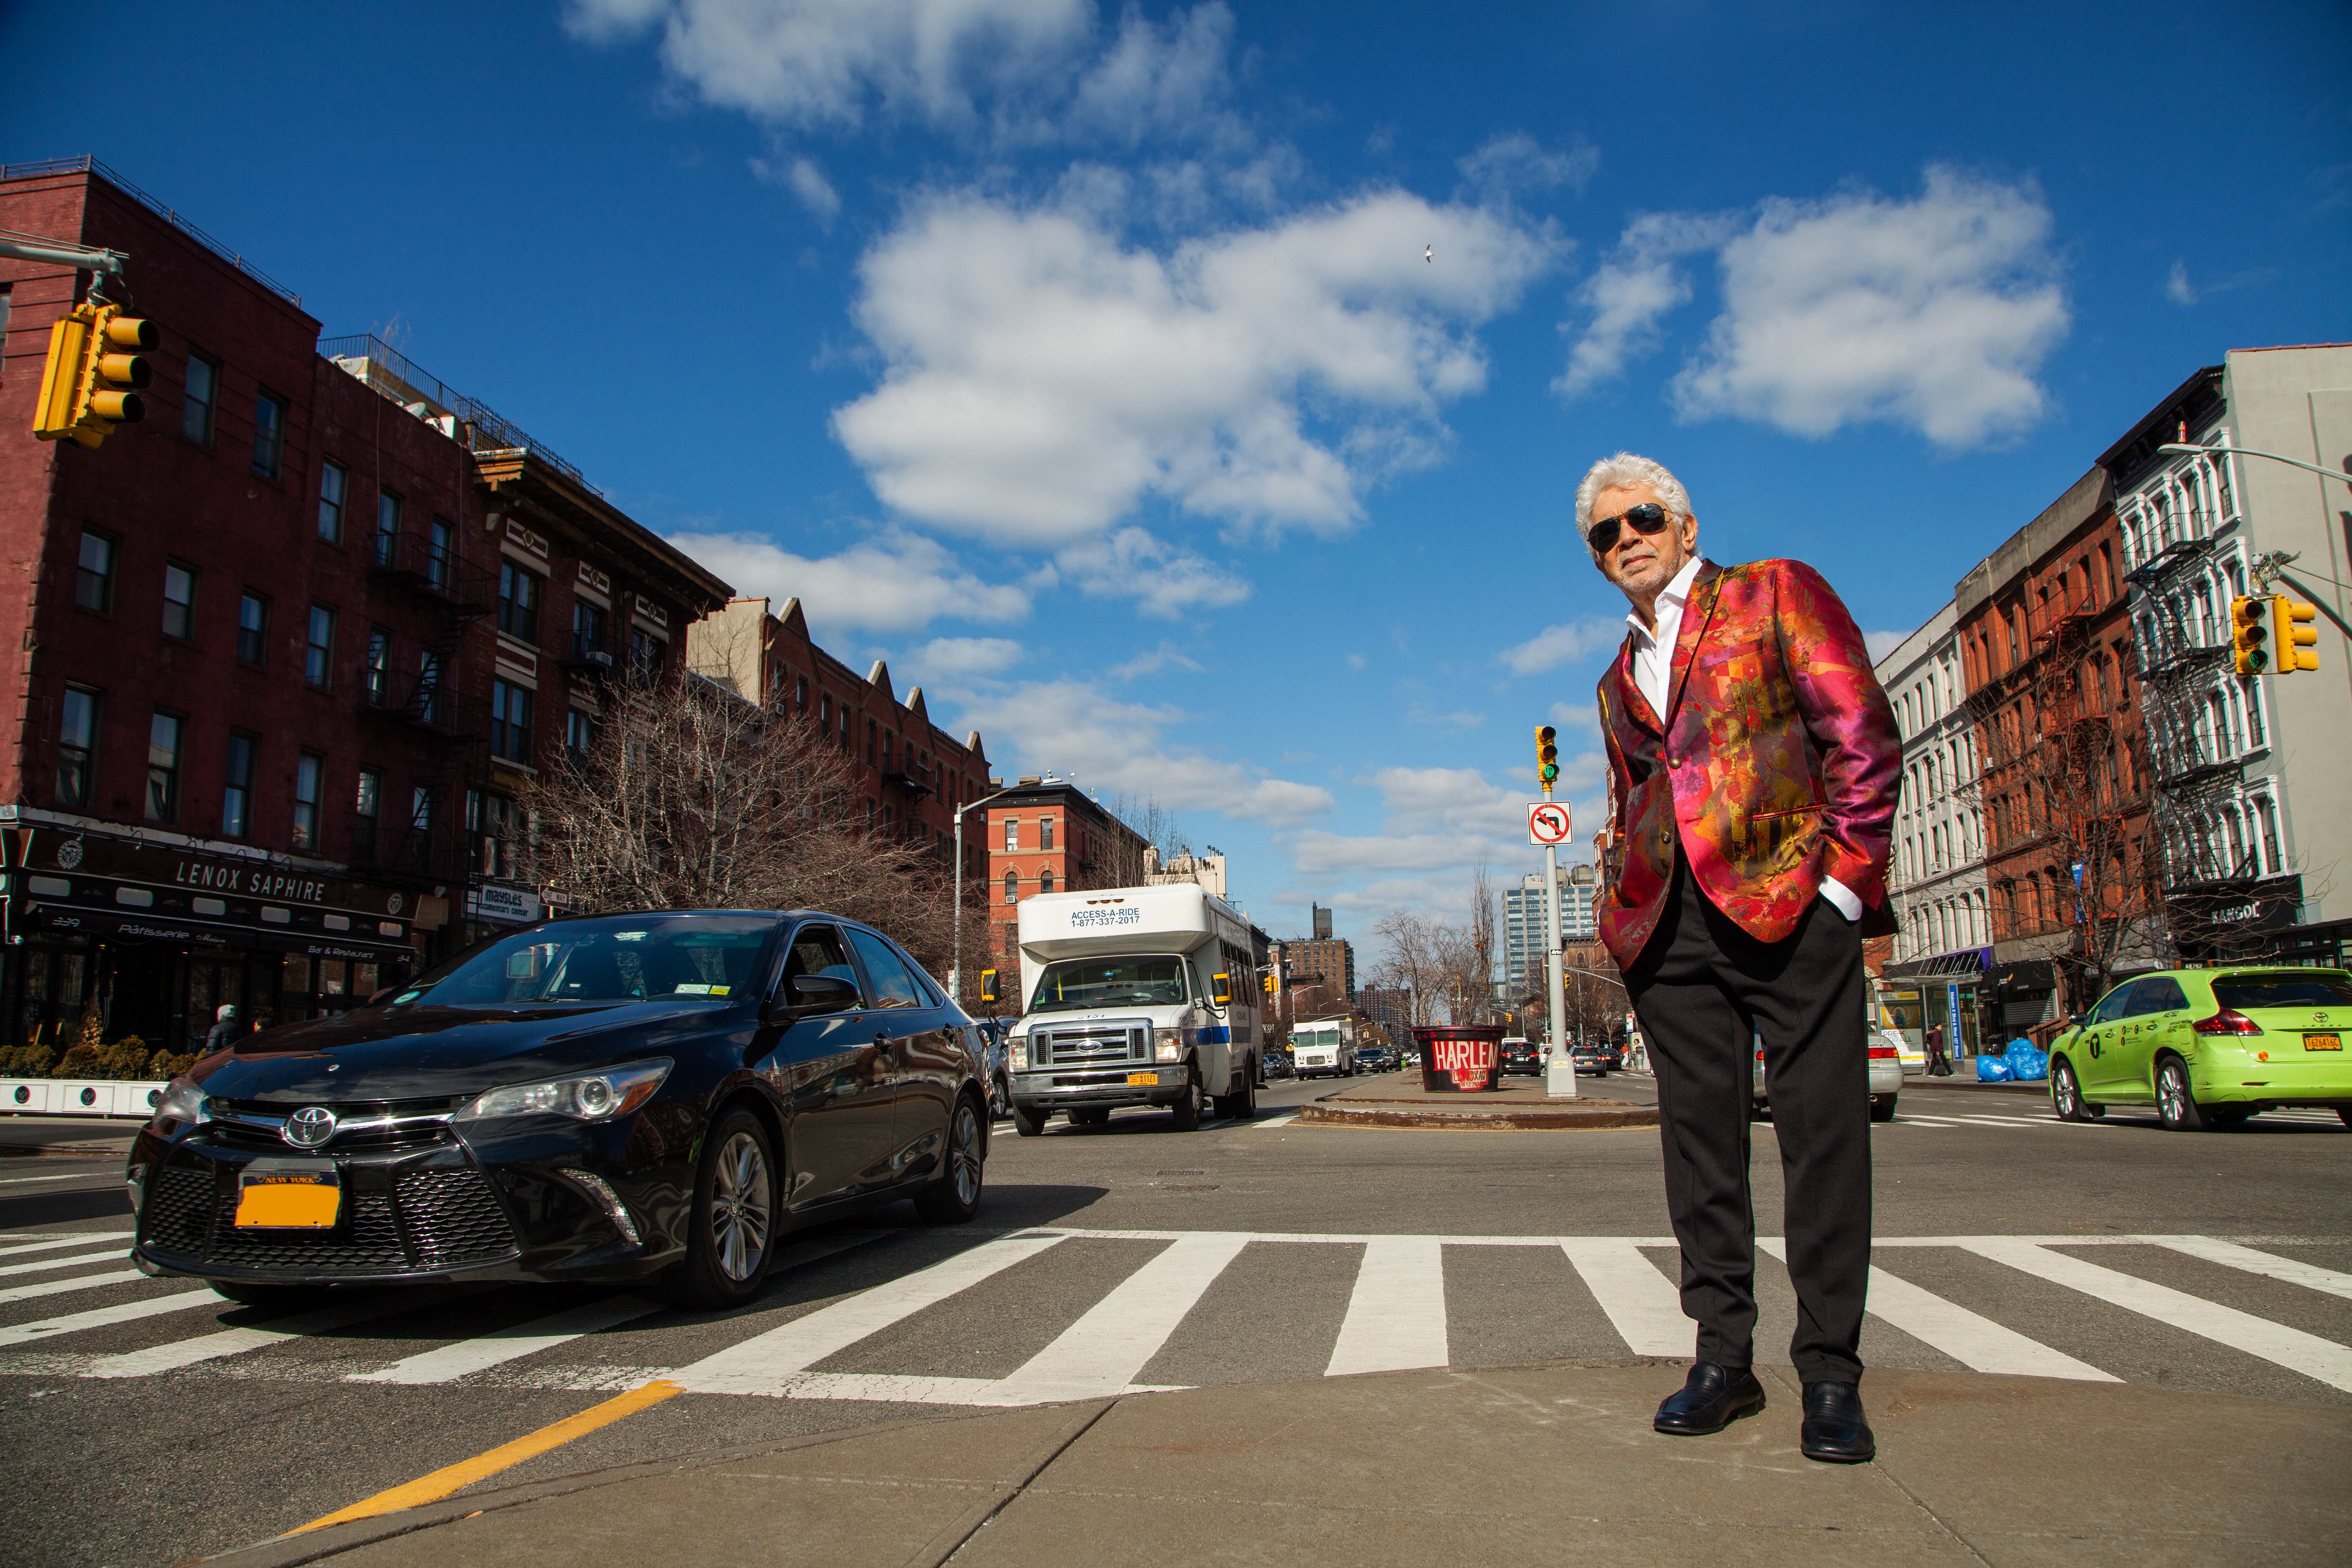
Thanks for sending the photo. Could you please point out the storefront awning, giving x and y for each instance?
(1967, 964)
(215, 935)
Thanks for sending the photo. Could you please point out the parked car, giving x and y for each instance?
(2209, 1048)
(1277, 1064)
(1375, 1058)
(1520, 1057)
(1884, 1078)
(1598, 1057)
(603, 1099)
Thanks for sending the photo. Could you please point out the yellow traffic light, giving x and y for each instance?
(2249, 630)
(91, 381)
(2296, 634)
(1547, 755)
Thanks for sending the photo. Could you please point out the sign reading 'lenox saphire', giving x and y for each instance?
(95, 855)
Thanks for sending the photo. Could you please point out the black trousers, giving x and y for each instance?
(1704, 990)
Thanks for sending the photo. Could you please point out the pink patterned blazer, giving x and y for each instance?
(1775, 765)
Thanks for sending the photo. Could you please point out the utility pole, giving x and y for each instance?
(955, 971)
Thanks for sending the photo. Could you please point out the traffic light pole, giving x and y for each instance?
(1559, 1073)
(955, 968)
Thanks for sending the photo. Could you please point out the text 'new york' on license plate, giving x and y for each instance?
(2323, 1042)
(285, 1194)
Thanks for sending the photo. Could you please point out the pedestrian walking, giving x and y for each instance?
(1939, 1064)
(225, 1030)
(1753, 762)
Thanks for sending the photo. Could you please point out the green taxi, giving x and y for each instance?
(2209, 1047)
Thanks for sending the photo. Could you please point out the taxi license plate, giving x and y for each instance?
(1141, 1077)
(287, 1200)
(2323, 1042)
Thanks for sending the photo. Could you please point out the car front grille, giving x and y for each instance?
(1095, 1044)
(430, 1220)
(414, 1124)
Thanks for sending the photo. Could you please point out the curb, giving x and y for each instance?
(62, 1152)
(1531, 1119)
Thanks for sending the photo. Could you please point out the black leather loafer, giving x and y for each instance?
(1834, 1430)
(1713, 1398)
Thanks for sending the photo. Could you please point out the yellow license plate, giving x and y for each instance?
(288, 1203)
(2323, 1042)
(1136, 1078)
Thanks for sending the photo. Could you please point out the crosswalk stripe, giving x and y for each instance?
(1642, 1305)
(758, 1364)
(58, 1242)
(1975, 1341)
(1396, 1314)
(448, 1362)
(1102, 1352)
(59, 1287)
(99, 1317)
(1278, 1122)
(2314, 1357)
(177, 1354)
(2328, 1279)
(110, 1255)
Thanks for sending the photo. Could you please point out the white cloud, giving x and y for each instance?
(1154, 80)
(964, 657)
(1167, 656)
(2176, 284)
(1630, 291)
(1357, 661)
(1880, 643)
(807, 181)
(1556, 645)
(1115, 748)
(1460, 798)
(1515, 161)
(1933, 313)
(1044, 378)
(831, 62)
(1163, 580)
(896, 582)
(1459, 720)
(1315, 853)
(1582, 716)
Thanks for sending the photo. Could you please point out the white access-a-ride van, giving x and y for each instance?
(1133, 996)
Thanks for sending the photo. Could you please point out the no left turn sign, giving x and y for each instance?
(1548, 823)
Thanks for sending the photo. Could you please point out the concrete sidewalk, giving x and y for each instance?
(1530, 1465)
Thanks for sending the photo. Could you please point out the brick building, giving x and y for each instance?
(913, 773)
(1329, 960)
(1047, 836)
(280, 650)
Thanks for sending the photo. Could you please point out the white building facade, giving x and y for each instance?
(1524, 934)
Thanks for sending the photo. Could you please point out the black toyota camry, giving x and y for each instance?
(599, 1098)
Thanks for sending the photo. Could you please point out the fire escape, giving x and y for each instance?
(415, 691)
(2177, 669)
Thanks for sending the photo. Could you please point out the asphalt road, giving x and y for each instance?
(1304, 1250)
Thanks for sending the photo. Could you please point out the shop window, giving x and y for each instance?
(197, 396)
(269, 434)
(179, 601)
(236, 786)
(518, 592)
(366, 807)
(309, 774)
(77, 746)
(252, 628)
(334, 482)
(163, 731)
(510, 722)
(94, 574)
(319, 656)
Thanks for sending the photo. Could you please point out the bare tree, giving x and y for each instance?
(1155, 827)
(1479, 937)
(1420, 956)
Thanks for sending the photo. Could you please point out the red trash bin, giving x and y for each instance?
(1460, 1057)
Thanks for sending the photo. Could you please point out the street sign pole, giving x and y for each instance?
(1549, 824)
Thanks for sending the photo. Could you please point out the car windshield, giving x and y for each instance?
(2289, 990)
(614, 958)
(1153, 980)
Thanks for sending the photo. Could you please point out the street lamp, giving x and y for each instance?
(2190, 450)
(2275, 560)
(955, 973)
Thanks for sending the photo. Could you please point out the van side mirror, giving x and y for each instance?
(988, 986)
(1220, 990)
(807, 995)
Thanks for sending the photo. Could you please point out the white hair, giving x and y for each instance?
(1623, 471)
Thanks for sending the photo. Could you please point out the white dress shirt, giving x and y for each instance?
(1654, 669)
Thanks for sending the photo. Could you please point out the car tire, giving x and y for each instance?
(1240, 1106)
(2066, 1093)
(1028, 1123)
(2176, 1102)
(732, 1226)
(1882, 1108)
(954, 1197)
(278, 1297)
(1189, 1108)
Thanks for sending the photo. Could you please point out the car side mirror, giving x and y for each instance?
(1220, 990)
(808, 995)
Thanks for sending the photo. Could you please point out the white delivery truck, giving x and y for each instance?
(1133, 996)
(1324, 1049)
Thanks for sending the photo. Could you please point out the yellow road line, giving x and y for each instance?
(466, 1473)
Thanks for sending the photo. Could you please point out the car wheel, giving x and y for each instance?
(1882, 1108)
(1188, 1110)
(955, 1196)
(733, 1224)
(1242, 1107)
(1028, 1123)
(283, 1298)
(2066, 1093)
(2176, 1103)
(1000, 1102)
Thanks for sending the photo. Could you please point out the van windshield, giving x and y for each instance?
(1154, 981)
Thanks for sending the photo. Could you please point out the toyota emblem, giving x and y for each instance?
(310, 1127)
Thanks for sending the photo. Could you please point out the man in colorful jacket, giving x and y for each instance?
(1753, 765)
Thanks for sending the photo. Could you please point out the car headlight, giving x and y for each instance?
(183, 1102)
(1167, 1045)
(589, 1097)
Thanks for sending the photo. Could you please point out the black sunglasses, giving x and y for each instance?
(1646, 519)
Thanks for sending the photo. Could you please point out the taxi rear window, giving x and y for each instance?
(2288, 989)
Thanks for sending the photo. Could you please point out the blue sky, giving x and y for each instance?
(1085, 361)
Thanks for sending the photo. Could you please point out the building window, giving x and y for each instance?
(375, 673)
(587, 628)
(824, 711)
(440, 551)
(387, 528)
(800, 695)
(646, 653)
(1044, 881)
(490, 822)
(269, 434)
(509, 722)
(1011, 833)
(2253, 696)
(163, 768)
(1012, 887)
(196, 402)
(252, 628)
(579, 736)
(519, 602)
(319, 656)
(1045, 833)
(310, 773)
(366, 806)
(94, 577)
(334, 480)
(77, 746)
(237, 794)
(429, 687)
(179, 600)
(2268, 815)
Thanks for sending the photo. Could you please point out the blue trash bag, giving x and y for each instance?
(2027, 1061)
(1993, 1070)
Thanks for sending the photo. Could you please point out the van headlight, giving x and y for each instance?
(588, 1097)
(1017, 1053)
(1167, 1045)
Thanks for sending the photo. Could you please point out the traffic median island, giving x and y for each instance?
(1401, 1103)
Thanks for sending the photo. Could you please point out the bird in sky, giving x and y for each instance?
(1429, 253)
